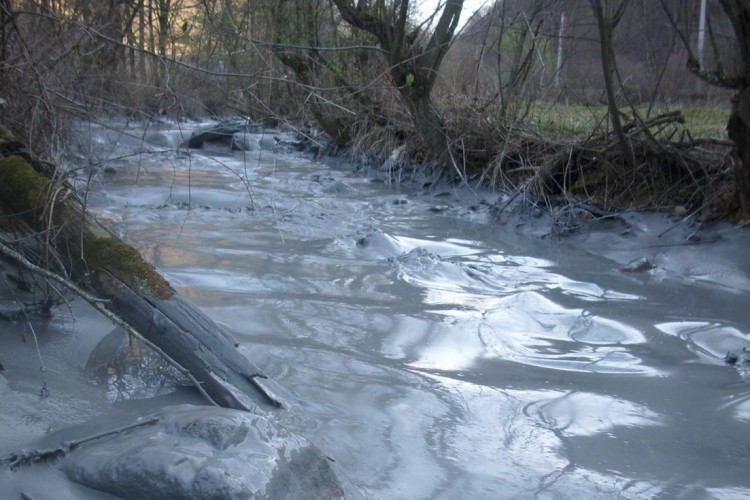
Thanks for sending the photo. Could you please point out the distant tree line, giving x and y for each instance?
(372, 73)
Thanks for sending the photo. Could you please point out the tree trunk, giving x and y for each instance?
(737, 13)
(608, 67)
(429, 125)
(142, 79)
(133, 289)
(738, 130)
(414, 63)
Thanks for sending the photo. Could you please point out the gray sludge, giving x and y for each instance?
(203, 452)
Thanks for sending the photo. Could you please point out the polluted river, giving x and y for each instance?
(439, 340)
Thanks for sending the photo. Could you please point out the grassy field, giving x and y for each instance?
(578, 122)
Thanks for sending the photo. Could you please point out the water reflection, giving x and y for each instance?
(709, 340)
(586, 414)
(428, 436)
(124, 368)
(503, 308)
(739, 406)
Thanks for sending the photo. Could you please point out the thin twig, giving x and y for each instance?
(27, 457)
(44, 391)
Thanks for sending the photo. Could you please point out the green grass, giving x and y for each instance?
(707, 122)
(567, 121)
(577, 122)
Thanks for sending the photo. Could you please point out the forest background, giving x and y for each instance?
(607, 103)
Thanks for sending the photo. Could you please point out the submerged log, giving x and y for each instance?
(132, 288)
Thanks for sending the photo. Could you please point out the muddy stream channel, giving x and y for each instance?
(435, 345)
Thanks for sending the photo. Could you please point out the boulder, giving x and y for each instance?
(204, 452)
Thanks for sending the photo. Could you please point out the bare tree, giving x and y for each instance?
(297, 44)
(607, 17)
(731, 70)
(520, 43)
(414, 55)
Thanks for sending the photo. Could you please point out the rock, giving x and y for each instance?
(732, 358)
(376, 244)
(638, 266)
(244, 142)
(417, 258)
(159, 139)
(679, 211)
(205, 452)
(740, 359)
(251, 142)
(340, 187)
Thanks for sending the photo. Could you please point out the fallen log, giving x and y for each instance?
(132, 288)
(222, 132)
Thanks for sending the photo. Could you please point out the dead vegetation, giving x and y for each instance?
(339, 69)
(673, 171)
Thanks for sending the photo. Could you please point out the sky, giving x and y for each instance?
(427, 7)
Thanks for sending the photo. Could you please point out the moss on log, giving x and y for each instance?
(126, 264)
(26, 193)
(22, 187)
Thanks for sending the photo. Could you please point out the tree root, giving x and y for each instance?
(30, 456)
